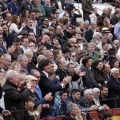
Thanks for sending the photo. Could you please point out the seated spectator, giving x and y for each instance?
(96, 94)
(113, 88)
(104, 95)
(97, 70)
(72, 112)
(96, 38)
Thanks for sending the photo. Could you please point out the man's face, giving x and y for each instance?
(47, 68)
(59, 30)
(74, 111)
(62, 64)
(107, 68)
(25, 42)
(7, 61)
(24, 63)
(50, 57)
(16, 44)
(46, 21)
(15, 79)
(115, 75)
(91, 48)
(37, 15)
(47, 2)
(33, 15)
(63, 97)
(89, 96)
(37, 75)
(5, 29)
(71, 69)
(104, 91)
(76, 96)
(31, 36)
(29, 23)
(8, 17)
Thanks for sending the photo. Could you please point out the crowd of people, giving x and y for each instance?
(52, 63)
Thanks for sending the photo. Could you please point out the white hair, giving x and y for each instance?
(86, 22)
(87, 91)
(96, 33)
(7, 56)
(10, 74)
(114, 70)
(95, 90)
(47, 52)
(21, 58)
(70, 107)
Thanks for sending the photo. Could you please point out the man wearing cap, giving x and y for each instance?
(80, 41)
(112, 55)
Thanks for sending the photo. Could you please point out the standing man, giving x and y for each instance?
(87, 9)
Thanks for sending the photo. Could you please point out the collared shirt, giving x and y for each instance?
(45, 73)
(24, 48)
(38, 91)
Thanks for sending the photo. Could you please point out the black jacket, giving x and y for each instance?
(13, 98)
(114, 92)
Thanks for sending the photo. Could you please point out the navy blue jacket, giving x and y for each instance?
(15, 8)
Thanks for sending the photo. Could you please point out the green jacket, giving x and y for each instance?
(40, 8)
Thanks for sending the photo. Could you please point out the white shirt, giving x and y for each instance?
(14, 27)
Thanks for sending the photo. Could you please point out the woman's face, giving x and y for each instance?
(1, 60)
(30, 59)
(60, 55)
(43, 50)
(27, 13)
(116, 64)
(97, 95)
(89, 63)
(100, 66)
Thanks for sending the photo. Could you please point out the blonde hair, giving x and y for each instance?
(29, 78)
(40, 57)
(28, 53)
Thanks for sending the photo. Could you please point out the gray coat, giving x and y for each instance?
(87, 7)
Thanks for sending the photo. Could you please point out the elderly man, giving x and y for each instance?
(7, 61)
(23, 61)
(114, 88)
(87, 101)
(13, 98)
(72, 112)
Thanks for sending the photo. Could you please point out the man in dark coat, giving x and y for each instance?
(114, 89)
(47, 85)
(13, 97)
(87, 9)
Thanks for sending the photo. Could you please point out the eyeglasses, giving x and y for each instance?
(73, 55)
